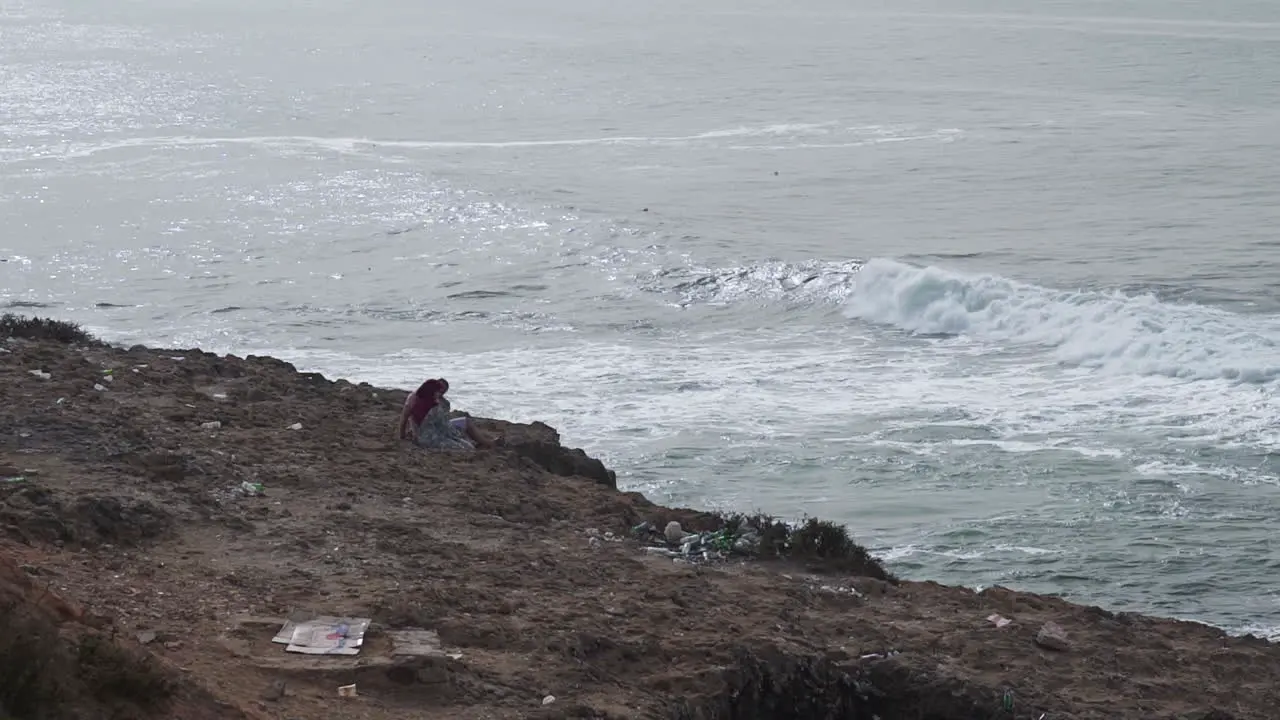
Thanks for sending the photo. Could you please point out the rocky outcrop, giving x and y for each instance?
(540, 443)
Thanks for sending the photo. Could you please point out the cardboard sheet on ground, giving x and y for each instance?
(415, 642)
(323, 635)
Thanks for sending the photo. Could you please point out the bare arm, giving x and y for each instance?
(404, 419)
(400, 426)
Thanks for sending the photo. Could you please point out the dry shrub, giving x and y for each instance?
(822, 544)
(34, 328)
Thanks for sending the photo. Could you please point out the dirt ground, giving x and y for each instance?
(126, 521)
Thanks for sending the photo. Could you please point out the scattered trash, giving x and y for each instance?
(347, 691)
(15, 479)
(323, 635)
(674, 533)
(107, 376)
(296, 426)
(219, 396)
(40, 374)
(998, 620)
(1052, 637)
(454, 655)
(172, 357)
(250, 489)
(840, 590)
(214, 425)
(99, 387)
(146, 637)
(880, 656)
(595, 539)
(60, 401)
(1007, 701)
(696, 547)
(661, 551)
(548, 699)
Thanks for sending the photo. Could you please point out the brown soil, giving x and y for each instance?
(126, 528)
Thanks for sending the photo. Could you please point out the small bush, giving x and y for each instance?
(34, 328)
(832, 546)
(821, 543)
(47, 676)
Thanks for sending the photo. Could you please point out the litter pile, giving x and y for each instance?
(738, 539)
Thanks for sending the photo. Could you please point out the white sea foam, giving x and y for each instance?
(1109, 331)
(1270, 632)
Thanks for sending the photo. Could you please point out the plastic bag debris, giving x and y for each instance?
(879, 656)
(250, 489)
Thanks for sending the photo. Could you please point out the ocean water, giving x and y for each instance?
(996, 283)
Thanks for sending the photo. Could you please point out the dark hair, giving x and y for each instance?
(425, 400)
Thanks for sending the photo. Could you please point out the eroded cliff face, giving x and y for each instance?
(185, 504)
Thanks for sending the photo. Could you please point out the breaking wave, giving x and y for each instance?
(1133, 334)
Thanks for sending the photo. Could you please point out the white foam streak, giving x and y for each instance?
(348, 145)
(788, 137)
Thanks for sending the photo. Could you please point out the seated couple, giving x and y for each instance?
(425, 420)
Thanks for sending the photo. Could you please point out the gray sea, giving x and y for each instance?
(996, 283)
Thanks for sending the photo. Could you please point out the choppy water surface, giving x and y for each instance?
(997, 286)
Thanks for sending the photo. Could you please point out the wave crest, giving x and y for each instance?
(1137, 334)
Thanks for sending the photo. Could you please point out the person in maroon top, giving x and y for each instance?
(425, 420)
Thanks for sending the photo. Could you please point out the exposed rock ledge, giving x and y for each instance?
(127, 523)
